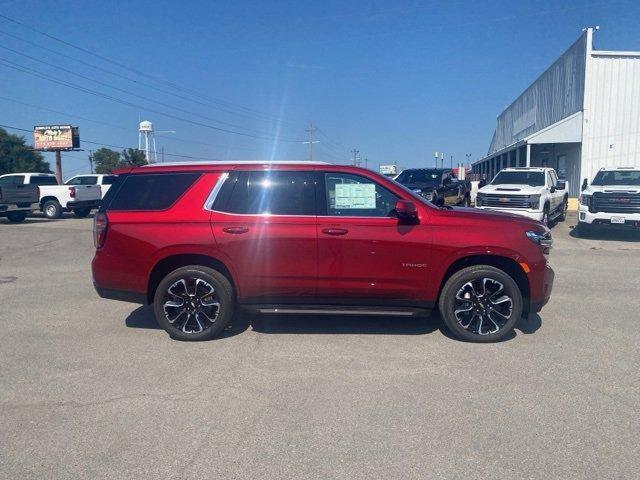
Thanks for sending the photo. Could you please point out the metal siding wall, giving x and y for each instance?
(557, 94)
(611, 129)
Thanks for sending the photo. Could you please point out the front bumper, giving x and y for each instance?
(604, 218)
(525, 212)
(548, 275)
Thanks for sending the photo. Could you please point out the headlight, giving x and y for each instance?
(534, 202)
(585, 200)
(543, 239)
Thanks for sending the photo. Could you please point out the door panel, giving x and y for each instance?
(376, 259)
(272, 256)
(265, 225)
(362, 250)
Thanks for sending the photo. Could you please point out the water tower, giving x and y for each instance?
(145, 129)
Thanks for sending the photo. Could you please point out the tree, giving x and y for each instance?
(132, 157)
(16, 156)
(106, 160)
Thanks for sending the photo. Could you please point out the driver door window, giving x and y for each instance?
(350, 195)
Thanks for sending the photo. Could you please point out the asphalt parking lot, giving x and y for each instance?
(91, 388)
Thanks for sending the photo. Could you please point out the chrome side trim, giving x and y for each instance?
(326, 311)
(208, 203)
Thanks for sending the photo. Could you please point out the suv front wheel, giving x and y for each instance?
(194, 303)
(480, 304)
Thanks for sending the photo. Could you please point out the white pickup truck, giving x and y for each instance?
(612, 199)
(534, 192)
(55, 199)
(105, 181)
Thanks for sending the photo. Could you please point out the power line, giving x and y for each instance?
(120, 127)
(102, 144)
(247, 110)
(127, 92)
(72, 85)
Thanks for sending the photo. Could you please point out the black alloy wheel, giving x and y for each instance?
(194, 303)
(480, 304)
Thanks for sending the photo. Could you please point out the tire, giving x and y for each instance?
(545, 216)
(584, 230)
(185, 303)
(16, 217)
(81, 212)
(52, 209)
(494, 301)
(564, 207)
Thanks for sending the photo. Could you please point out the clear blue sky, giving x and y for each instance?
(397, 80)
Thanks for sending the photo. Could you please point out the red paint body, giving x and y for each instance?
(315, 257)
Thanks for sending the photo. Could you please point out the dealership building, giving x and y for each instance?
(581, 114)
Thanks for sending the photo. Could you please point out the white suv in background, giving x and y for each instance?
(612, 199)
(534, 192)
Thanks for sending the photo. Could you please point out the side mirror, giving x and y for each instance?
(585, 184)
(407, 212)
(552, 189)
(561, 185)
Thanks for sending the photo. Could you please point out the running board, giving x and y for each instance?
(339, 310)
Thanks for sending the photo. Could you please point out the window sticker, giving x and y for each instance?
(355, 196)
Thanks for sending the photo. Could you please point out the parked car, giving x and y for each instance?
(105, 181)
(17, 200)
(534, 192)
(54, 198)
(439, 185)
(197, 240)
(612, 199)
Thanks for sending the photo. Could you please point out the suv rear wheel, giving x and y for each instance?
(480, 304)
(194, 303)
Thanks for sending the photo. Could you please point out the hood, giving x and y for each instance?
(508, 189)
(420, 186)
(493, 216)
(591, 189)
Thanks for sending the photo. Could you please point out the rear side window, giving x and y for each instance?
(268, 193)
(108, 179)
(150, 192)
(12, 180)
(42, 180)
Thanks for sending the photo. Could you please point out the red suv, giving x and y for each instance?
(198, 240)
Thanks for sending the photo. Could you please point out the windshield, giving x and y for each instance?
(617, 177)
(533, 179)
(419, 176)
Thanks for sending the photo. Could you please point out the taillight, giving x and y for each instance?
(72, 192)
(100, 225)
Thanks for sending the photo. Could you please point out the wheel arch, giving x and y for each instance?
(44, 200)
(170, 263)
(506, 264)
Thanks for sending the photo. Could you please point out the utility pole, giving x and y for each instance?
(451, 162)
(356, 157)
(311, 130)
(59, 166)
(91, 160)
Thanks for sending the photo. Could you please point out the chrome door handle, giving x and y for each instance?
(235, 230)
(335, 231)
